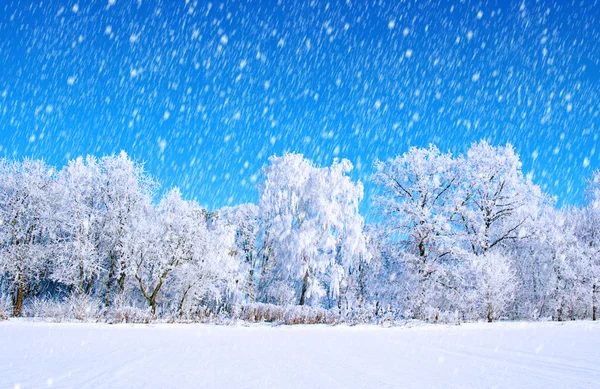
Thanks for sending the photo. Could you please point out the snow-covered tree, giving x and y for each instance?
(588, 231)
(80, 213)
(418, 202)
(464, 237)
(532, 261)
(499, 207)
(27, 226)
(314, 230)
(496, 283)
(244, 219)
(149, 261)
(125, 188)
(551, 267)
(380, 288)
(209, 276)
(499, 200)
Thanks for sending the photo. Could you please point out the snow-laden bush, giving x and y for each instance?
(295, 314)
(434, 315)
(76, 307)
(130, 314)
(47, 309)
(84, 308)
(289, 314)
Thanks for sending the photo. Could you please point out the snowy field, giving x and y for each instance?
(503, 355)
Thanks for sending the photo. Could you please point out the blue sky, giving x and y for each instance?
(205, 92)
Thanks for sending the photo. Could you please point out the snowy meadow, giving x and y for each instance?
(483, 355)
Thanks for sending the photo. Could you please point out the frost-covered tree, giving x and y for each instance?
(244, 219)
(499, 207)
(149, 262)
(80, 213)
(588, 231)
(456, 238)
(496, 283)
(568, 286)
(417, 202)
(209, 276)
(314, 230)
(550, 266)
(379, 285)
(27, 226)
(499, 200)
(165, 238)
(125, 188)
(532, 261)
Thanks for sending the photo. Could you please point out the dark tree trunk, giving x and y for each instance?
(153, 305)
(18, 300)
(88, 286)
(594, 305)
(122, 277)
(250, 285)
(80, 287)
(304, 289)
(109, 282)
(182, 301)
(560, 313)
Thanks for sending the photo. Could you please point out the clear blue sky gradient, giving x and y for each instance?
(204, 93)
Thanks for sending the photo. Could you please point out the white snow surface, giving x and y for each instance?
(478, 355)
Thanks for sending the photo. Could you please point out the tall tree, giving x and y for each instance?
(80, 214)
(314, 228)
(125, 188)
(499, 200)
(588, 231)
(244, 219)
(28, 227)
(417, 203)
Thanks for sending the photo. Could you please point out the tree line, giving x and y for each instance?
(453, 238)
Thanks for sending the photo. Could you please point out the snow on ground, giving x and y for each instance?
(505, 355)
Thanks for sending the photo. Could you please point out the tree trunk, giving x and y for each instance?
(250, 285)
(182, 301)
(304, 288)
(88, 286)
(122, 277)
(81, 279)
(18, 300)
(361, 286)
(560, 313)
(109, 282)
(594, 307)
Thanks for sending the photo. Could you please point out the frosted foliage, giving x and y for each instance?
(450, 223)
(418, 198)
(417, 203)
(496, 283)
(205, 270)
(499, 201)
(81, 219)
(314, 229)
(245, 222)
(28, 228)
(594, 192)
